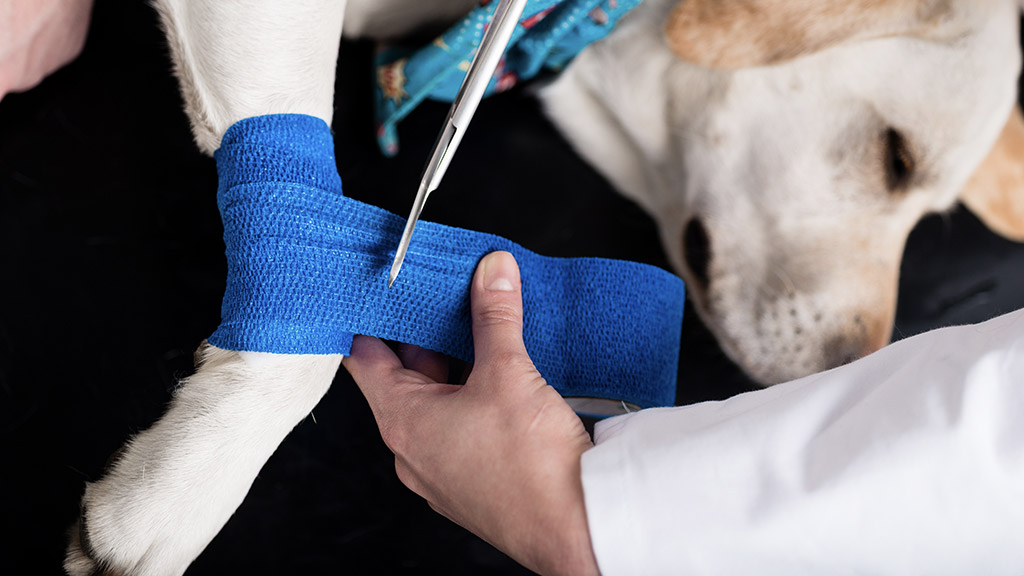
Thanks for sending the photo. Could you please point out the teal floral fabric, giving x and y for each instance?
(550, 33)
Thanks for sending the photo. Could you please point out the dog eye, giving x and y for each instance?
(899, 163)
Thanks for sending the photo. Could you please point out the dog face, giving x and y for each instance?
(787, 149)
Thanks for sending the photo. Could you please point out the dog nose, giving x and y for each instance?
(697, 251)
(841, 350)
(845, 348)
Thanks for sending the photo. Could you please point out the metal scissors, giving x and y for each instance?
(492, 46)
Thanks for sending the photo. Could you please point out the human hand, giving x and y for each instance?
(37, 37)
(499, 455)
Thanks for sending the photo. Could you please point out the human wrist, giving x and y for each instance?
(565, 548)
(578, 557)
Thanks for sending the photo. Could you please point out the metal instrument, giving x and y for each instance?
(481, 70)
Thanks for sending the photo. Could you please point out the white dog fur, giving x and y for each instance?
(784, 165)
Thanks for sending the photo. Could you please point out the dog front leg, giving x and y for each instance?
(240, 58)
(174, 485)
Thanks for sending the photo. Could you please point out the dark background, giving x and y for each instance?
(111, 273)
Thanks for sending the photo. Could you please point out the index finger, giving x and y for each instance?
(373, 366)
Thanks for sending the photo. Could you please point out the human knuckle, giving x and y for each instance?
(395, 434)
(405, 475)
(499, 313)
(511, 362)
(515, 368)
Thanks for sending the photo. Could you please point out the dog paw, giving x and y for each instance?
(174, 486)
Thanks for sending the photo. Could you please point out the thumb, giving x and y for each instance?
(496, 299)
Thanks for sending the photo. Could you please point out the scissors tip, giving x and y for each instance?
(393, 275)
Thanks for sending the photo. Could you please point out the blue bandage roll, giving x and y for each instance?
(308, 269)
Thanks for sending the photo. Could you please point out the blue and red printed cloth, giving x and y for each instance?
(549, 35)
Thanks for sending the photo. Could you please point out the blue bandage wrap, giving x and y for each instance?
(308, 269)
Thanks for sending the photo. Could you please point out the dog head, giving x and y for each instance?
(787, 148)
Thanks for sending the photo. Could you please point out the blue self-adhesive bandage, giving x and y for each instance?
(308, 269)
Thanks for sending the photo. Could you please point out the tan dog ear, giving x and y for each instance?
(995, 193)
(743, 33)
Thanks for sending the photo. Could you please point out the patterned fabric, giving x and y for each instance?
(308, 268)
(549, 35)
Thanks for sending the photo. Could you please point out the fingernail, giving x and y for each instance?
(499, 272)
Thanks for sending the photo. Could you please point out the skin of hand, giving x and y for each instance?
(37, 37)
(499, 455)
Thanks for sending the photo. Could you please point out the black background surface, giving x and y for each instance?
(112, 270)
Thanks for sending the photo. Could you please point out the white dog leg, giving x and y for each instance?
(176, 484)
(240, 58)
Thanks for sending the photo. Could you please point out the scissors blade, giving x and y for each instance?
(431, 179)
(481, 70)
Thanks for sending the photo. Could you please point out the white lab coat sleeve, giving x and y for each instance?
(908, 461)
